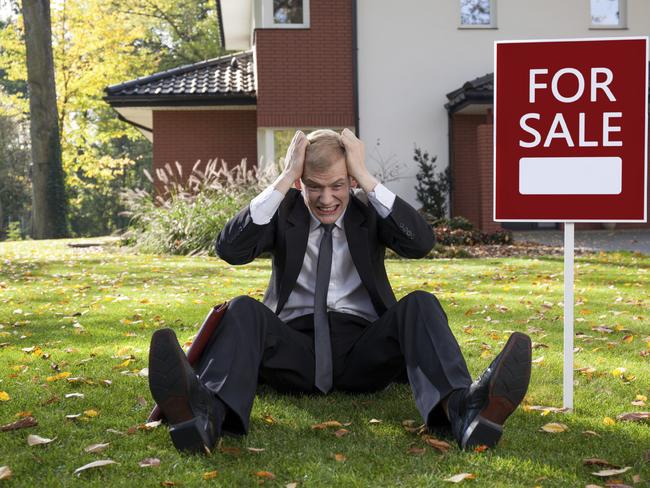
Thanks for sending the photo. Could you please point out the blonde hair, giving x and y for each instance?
(324, 148)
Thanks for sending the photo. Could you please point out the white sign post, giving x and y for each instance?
(567, 397)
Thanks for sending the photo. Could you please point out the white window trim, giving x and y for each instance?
(622, 18)
(491, 25)
(268, 22)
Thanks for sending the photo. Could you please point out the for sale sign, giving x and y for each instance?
(571, 131)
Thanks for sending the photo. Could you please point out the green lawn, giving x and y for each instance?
(91, 313)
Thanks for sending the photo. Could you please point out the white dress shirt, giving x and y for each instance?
(345, 293)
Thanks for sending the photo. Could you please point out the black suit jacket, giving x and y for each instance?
(285, 237)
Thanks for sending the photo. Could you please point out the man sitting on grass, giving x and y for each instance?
(329, 319)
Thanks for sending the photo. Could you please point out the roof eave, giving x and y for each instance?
(178, 100)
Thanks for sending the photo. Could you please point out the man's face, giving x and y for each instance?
(327, 193)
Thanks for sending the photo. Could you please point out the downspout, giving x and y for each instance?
(355, 68)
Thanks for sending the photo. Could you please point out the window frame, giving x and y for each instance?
(622, 18)
(491, 25)
(268, 19)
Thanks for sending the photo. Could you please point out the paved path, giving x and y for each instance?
(599, 240)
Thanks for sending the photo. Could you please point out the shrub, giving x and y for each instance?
(186, 216)
(433, 187)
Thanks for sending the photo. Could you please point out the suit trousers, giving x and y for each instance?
(411, 340)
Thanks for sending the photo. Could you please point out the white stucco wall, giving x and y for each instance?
(412, 53)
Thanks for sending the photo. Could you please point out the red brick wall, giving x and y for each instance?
(485, 174)
(189, 135)
(305, 76)
(466, 190)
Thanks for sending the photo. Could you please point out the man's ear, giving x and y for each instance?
(353, 182)
(297, 184)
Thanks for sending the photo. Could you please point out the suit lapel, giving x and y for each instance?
(295, 245)
(356, 232)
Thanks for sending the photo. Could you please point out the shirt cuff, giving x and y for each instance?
(264, 205)
(382, 199)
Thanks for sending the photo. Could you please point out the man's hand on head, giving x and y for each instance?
(355, 160)
(293, 163)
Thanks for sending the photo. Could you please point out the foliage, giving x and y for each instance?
(14, 232)
(15, 191)
(90, 313)
(188, 213)
(97, 44)
(432, 188)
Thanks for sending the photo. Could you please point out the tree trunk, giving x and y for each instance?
(49, 205)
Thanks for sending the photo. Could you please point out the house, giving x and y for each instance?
(402, 74)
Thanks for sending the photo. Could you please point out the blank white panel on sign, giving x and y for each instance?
(570, 176)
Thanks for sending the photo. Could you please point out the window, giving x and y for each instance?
(287, 12)
(477, 13)
(282, 14)
(608, 14)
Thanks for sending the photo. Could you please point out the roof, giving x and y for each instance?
(478, 91)
(228, 80)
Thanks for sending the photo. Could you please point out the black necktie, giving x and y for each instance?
(322, 345)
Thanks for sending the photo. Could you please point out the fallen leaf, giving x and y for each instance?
(609, 421)
(340, 457)
(326, 424)
(167, 483)
(437, 444)
(152, 425)
(341, 432)
(634, 416)
(74, 395)
(73, 416)
(57, 377)
(210, 475)
(291, 485)
(94, 464)
(416, 451)
(149, 463)
(95, 448)
(37, 440)
(611, 472)
(598, 462)
(591, 433)
(374, 421)
(269, 419)
(457, 478)
(256, 450)
(115, 431)
(4, 396)
(618, 372)
(5, 473)
(91, 413)
(265, 474)
(636, 479)
(554, 427)
(233, 451)
(481, 448)
(19, 424)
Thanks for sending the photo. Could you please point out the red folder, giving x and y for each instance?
(201, 340)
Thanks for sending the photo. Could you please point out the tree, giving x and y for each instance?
(48, 191)
(95, 44)
(432, 188)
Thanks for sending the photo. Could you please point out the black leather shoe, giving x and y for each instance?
(479, 415)
(192, 411)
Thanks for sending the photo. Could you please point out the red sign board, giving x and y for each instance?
(571, 130)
